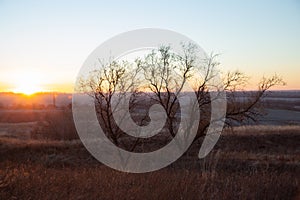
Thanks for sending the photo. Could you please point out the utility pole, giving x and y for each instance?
(54, 99)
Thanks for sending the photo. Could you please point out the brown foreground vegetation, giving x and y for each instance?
(257, 162)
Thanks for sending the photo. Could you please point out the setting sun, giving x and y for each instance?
(27, 83)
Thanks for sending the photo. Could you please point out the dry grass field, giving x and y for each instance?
(254, 162)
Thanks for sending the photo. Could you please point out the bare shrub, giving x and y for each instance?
(56, 125)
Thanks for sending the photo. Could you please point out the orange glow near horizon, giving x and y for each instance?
(31, 82)
(27, 83)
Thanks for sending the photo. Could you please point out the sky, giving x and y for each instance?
(46, 42)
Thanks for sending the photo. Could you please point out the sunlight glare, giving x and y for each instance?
(27, 83)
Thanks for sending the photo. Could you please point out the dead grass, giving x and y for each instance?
(262, 130)
(254, 166)
(37, 182)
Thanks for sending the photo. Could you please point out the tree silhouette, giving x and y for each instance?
(159, 78)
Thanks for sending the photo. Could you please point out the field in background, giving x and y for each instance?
(42, 158)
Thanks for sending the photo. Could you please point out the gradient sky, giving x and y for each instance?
(51, 39)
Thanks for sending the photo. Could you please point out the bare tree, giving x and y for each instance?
(248, 107)
(165, 73)
(159, 72)
(241, 105)
(115, 78)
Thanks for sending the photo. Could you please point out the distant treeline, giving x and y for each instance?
(36, 101)
(50, 100)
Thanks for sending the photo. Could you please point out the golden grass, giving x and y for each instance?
(253, 166)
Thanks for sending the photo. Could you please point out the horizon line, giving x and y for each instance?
(69, 92)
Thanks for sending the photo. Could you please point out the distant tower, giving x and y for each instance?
(54, 99)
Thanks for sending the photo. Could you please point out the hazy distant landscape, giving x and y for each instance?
(281, 107)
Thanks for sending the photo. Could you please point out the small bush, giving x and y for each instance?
(56, 125)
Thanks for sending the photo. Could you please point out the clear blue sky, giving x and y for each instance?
(53, 38)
